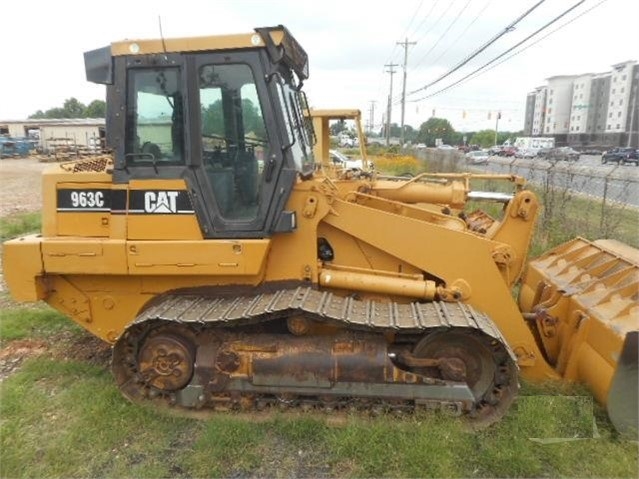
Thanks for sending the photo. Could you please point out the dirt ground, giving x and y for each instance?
(21, 190)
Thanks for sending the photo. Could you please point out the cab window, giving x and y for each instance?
(234, 138)
(155, 121)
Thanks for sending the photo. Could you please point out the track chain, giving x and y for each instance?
(199, 313)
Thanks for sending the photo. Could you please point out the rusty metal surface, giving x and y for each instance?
(333, 353)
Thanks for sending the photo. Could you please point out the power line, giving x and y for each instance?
(540, 39)
(426, 17)
(462, 33)
(461, 10)
(509, 50)
(413, 18)
(508, 29)
(436, 21)
(390, 56)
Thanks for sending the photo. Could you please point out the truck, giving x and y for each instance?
(529, 146)
(229, 271)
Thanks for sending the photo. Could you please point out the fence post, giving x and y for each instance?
(603, 204)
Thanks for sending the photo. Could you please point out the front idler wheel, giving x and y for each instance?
(478, 360)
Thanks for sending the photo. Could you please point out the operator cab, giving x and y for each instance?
(223, 113)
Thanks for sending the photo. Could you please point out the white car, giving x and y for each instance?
(346, 142)
(526, 152)
(339, 159)
(445, 147)
(477, 157)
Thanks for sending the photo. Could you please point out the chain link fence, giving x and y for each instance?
(577, 199)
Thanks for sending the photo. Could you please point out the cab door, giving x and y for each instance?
(235, 148)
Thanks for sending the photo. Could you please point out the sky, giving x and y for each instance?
(348, 43)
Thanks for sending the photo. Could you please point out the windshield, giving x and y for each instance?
(298, 128)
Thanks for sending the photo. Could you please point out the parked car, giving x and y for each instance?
(621, 156)
(340, 159)
(445, 147)
(346, 142)
(543, 152)
(477, 157)
(591, 152)
(526, 152)
(507, 151)
(563, 153)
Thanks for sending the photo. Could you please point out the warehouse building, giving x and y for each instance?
(54, 133)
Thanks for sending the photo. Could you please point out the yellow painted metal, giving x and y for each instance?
(452, 193)
(81, 255)
(584, 299)
(450, 256)
(377, 283)
(22, 268)
(159, 226)
(215, 257)
(192, 44)
(321, 120)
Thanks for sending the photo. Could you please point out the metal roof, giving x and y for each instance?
(57, 122)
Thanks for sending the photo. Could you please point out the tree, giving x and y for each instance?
(96, 109)
(483, 138)
(72, 108)
(337, 127)
(435, 128)
(213, 119)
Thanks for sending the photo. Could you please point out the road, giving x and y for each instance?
(618, 183)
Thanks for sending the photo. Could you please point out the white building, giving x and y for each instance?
(619, 99)
(81, 132)
(591, 109)
(558, 105)
(539, 114)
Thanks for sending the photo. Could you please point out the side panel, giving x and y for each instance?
(84, 255)
(214, 257)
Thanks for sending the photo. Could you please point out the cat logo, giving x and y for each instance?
(160, 201)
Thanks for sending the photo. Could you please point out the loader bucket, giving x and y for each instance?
(622, 398)
(582, 299)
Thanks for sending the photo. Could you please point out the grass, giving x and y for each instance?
(66, 419)
(19, 224)
(63, 417)
(39, 322)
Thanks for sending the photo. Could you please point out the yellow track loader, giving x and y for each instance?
(229, 270)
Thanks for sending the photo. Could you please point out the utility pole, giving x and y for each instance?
(371, 118)
(497, 125)
(405, 44)
(390, 99)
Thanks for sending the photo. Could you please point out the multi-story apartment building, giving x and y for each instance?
(581, 103)
(530, 110)
(633, 116)
(558, 104)
(598, 105)
(619, 100)
(592, 109)
(539, 111)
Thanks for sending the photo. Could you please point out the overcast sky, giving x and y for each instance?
(348, 43)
